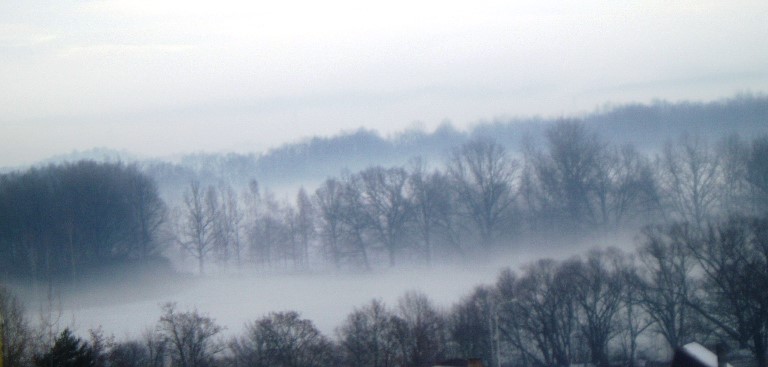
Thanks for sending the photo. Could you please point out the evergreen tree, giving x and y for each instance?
(67, 351)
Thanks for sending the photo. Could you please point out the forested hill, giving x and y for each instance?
(312, 160)
(645, 124)
(309, 161)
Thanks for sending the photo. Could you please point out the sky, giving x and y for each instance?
(159, 78)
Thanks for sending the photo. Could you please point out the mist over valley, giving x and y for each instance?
(393, 184)
(124, 247)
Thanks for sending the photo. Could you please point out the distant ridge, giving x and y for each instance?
(311, 160)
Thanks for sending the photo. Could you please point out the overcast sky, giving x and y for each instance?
(163, 77)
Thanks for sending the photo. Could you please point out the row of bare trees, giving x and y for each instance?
(606, 307)
(372, 335)
(59, 221)
(217, 223)
(482, 200)
(682, 284)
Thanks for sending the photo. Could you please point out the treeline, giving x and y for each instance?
(312, 159)
(605, 308)
(60, 220)
(481, 200)
(645, 125)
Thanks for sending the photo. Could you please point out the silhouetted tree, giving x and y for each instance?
(228, 218)
(190, 337)
(424, 339)
(198, 218)
(75, 217)
(368, 337)
(330, 205)
(430, 196)
(736, 196)
(16, 337)
(305, 224)
(283, 339)
(67, 351)
(483, 175)
(507, 337)
(387, 206)
(597, 287)
(570, 178)
(734, 258)
(157, 347)
(667, 274)
(270, 237)
(150, 214)
(633, 319)
(757, 173)
(357, 222)
(634, 192)
(471, 326)
(690, 180)
(129, 354)
(542, 319)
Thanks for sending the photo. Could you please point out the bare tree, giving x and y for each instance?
(387, 206)
(570, 179)
(197, 223)
(359, 230)
(734, 258)
(430, 196)
(597, 287)
(633, 320)
(269, 233)
(471, 326)
(283, 339)
(293, 250)
(425, 333)
(541, 321)
(156, 346)
(368, 337)
(100, 346)
(305, 225)
(149, 212)
(129, 354)
(329, 203)
(227, 226)
(667, 267)
(736, 197)
(16, 341)
(483, 175)
(634, 190)
(190, 336)
(49, 320)
(757, 173)
(690, 180)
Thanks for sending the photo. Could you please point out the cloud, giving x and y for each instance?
(21, 35)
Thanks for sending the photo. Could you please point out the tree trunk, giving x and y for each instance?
(759, 349)
(391, 249)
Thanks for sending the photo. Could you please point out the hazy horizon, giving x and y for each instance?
(162, 78)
